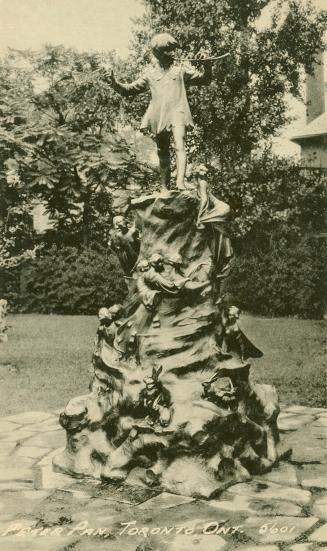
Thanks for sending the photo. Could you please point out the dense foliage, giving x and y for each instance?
(58, 118)
(266, 193)
(15, 206)
(278, 221)
(67, 281)
(287, 279)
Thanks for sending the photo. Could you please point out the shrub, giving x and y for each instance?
(278, 212)
(9, 286)
(289, 279)
(69, 281)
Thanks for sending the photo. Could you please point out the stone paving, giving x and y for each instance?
(285, 509)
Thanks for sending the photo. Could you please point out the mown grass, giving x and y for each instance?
(50, 359)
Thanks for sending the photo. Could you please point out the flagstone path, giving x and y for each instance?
(285, 509)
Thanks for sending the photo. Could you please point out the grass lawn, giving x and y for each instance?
(50, 359)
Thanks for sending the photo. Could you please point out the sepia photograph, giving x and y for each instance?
(163, 275)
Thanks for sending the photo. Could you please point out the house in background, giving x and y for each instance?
(313, 136)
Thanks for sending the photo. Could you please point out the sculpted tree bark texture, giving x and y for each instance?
(171, 391)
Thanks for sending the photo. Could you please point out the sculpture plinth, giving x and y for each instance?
(171, 391)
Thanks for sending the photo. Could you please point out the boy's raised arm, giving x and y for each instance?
(197, 77)
(136, 87)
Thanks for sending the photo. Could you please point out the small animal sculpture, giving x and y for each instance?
(221, 397)
(232, 330)
(156, 400)
(233, 338)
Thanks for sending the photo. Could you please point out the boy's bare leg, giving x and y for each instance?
(179, 134)
(163, 144)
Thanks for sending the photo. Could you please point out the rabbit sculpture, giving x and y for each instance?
(156, 400)
(220, 397)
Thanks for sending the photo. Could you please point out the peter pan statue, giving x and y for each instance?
(169, 111)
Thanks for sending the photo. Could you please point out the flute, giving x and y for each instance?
(201, 59)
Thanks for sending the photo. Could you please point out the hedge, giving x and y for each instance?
(286, 276)
(288, 279)
(66, 281)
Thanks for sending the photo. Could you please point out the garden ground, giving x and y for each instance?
(47, 360)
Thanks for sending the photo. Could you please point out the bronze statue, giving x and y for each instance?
(155, 280)
(168, 112)
(190, 443)
(125, 242)
(107, 325)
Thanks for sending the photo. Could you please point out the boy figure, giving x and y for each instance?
(168, 112)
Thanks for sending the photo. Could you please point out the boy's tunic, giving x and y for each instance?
(169, 105)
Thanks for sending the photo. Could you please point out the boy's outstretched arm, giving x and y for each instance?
(197, 77)
(132, 89)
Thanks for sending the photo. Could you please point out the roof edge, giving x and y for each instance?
(306, 136)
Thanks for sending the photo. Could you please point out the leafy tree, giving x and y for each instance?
(279, 218)
(270, 192)
(16, 241)
(66, 146)
(245, 103)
